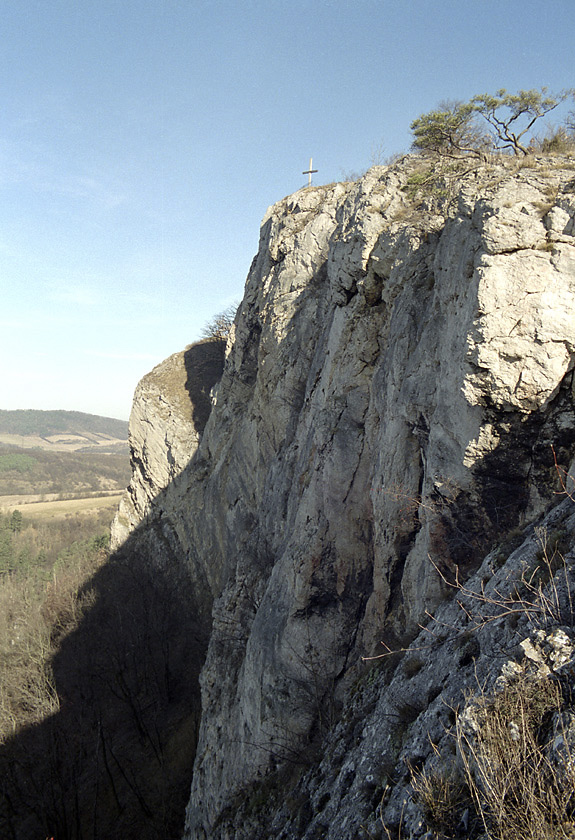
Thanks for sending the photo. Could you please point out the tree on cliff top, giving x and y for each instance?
(512, 115)
(218, 328)
(452, 130)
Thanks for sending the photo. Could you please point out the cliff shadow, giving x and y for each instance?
(115, 761)
(203, 363)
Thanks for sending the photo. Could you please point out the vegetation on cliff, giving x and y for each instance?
(453, 129)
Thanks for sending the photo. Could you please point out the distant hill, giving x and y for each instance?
(61, 430)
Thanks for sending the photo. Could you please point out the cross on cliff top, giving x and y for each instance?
(309, 172)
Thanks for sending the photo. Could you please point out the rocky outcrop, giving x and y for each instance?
(398, 372)
(170, 409)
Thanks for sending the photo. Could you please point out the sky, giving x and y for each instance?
(141, 142)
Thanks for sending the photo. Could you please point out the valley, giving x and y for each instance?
(46, 456)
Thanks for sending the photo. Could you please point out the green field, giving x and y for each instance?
(38, 472)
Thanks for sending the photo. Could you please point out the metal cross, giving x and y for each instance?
(309, 172)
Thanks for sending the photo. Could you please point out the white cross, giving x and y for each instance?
(309, 172)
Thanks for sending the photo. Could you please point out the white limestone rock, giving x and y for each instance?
(394, 383)
(170, 408)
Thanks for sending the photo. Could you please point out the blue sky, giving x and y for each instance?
(141, 142)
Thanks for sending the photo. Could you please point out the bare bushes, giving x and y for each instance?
(219, 327)
(522, 787)
(26, 684)
(35, 614)
(443, 796)
(540, 592)
(98, 698)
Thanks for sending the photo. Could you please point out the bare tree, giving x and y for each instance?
(512, 115)
(451, 130)
(218, 328)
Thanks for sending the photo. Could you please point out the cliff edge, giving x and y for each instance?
(396, 395)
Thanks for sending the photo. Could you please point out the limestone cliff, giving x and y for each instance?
(399, 370)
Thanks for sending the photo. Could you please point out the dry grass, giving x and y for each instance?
(443, 795)
(59, 508)
(520, 788)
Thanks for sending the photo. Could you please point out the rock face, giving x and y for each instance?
(399, 370)
(392, 763)
(170, 409)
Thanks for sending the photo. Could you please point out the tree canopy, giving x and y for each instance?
(512, 115)
(451, 129)
(454, 129)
